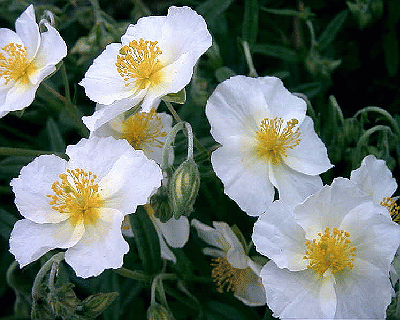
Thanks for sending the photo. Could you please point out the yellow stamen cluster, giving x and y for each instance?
(77, 195)
(273, 138)
(14, 64)
(226, 277)
(393, 208)
(138, 62)
(143, 128)
(331, 250)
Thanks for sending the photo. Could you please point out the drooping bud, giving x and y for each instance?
(183, 188)
(161, 206)
(158, 312)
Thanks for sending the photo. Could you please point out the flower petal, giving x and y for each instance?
(310, 156)
(175, 232)
(251, 291)
(30, 240)
(28, 30)
(277, 235)
(101, 247)
(33, 184)
(19, 96)
(245, 178)
(374, 178)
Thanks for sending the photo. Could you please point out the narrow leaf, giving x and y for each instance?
(250, 21)
(277, 51)
(332, 29)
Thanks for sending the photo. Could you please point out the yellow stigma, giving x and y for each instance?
(77, 195)
(273, 139)
(331, 250)
(14, 64)
(143, 128)
(226, 277)
(138, 62)
(393, 208)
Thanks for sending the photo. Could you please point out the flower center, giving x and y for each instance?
(143, 128)
(331, 250)
(393, 208)
(226, 277)
(14, 64)
(138, 62)
(273, 139)
(77, 195)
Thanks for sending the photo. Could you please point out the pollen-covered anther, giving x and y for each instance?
(392, 207)
(138, 63)
(143, 128)
(274, 139)
(14, 64)
(226, 277)
(77, 194)
(330, 250)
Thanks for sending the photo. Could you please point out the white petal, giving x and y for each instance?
(278, 236)
(34, 184)
(8, 36)
(30, 240)
(327, 295)
(105, 113)
(292, 294)
(328, 206)
(251, 292)
(293, 186)
(28, 30)
(148, 28)
(19, 96)
(101, 247)
(245, 178)
(175, 232)
(210, 235)
(102, 82)
(310, 156)
(374, 178)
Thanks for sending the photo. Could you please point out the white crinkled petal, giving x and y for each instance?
(245, 177)
(148, 28)
(277, 235)
(34, 184)
(28, 30)
(101, 247)
(291, 294)
(374, 178)
(102, 82)
(251, 291)
(19, 96)
(292, 185)
(328, 206)
(327, 295)
(210, 235)
(310, 156)
(30, 240)
(175, 232)
(105, 113)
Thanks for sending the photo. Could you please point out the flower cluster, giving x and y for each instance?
(314, 250)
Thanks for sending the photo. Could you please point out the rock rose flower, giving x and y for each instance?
(26, 58)
(232, 269)
(267, 142)
(156, 57)
(330, 255)
(79, 204)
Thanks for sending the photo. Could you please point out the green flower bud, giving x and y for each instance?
(183, 188)
(158, 312)
(161, 206)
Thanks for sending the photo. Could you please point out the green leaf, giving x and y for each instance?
(56, 140)
(224, 73)
(7, 221)
(210, 9)
(146, 239)
(277, 51)
(250, 22)
(178, 97)
(332, 29)
(391, 49)
(306, 14)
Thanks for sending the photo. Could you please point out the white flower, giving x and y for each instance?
(267, 141)
(156, 57)
(146, 131)
(79, 204)
(232, 269)
(26, 58)
(174, 233)
(330, 255)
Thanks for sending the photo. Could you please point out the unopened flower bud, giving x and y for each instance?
(158, 312)
(161, 205)
(183, 188)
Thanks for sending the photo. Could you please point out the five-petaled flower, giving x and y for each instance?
(330, 255)
(233, 270)
(156, 57)
(267, 141)
(26, 58)
(79, 205)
